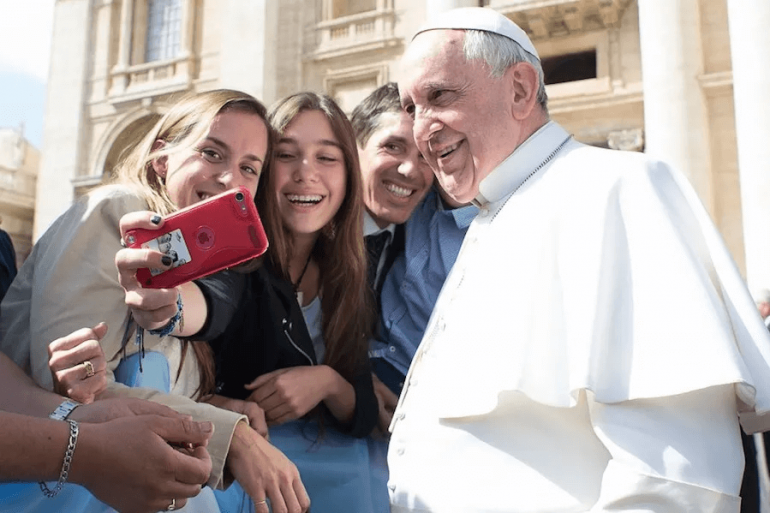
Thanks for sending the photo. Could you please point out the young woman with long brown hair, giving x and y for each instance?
(298, 344)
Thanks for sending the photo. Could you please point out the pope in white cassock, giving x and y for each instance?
(594, 345)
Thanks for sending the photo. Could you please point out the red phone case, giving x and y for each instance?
(202, 239)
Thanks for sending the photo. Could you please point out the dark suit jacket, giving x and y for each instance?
(7, 263)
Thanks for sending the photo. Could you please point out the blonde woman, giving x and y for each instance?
(206, 143)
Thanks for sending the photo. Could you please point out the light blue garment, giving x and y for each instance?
(341, 474)
(433, 238)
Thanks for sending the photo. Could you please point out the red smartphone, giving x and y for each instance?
(220, 232)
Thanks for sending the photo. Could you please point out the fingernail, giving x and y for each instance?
(155, 219)
(207, 427)
(166, 260)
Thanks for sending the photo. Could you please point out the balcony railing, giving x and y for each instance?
(355, 32)
(158, 77)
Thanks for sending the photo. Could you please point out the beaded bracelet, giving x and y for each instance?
(65, 468)
(171, 325)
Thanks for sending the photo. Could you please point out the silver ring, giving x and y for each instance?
(172, 506)
(89, 368)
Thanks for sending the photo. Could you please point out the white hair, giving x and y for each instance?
(500, 53)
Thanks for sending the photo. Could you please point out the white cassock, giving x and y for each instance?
(590, 350)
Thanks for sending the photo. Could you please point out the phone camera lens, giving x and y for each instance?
(239, 196)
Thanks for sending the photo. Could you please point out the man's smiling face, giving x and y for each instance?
(395, 176)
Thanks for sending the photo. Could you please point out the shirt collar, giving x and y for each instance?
(512, 172)
(463, 216)
(371, 228)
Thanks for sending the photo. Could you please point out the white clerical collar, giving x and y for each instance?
(512, 172)
(371, 228)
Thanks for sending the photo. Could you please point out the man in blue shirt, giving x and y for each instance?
(427, 236)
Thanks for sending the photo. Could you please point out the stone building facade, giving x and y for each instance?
(681, 79)
(19, 162)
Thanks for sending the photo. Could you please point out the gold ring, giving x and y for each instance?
(263, 501)
(172, 506)
(89, 368)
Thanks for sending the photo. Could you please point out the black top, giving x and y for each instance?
(221, 292)
(268, 332)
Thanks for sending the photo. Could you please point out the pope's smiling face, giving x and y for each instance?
(463, 122)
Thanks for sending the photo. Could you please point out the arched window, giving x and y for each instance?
(164, 27)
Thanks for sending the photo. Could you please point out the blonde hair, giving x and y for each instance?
(184, 124)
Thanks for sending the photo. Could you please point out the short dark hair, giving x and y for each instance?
(366, 115)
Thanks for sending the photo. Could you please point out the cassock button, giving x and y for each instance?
(484, 212)
(392, 487)
(400, 451)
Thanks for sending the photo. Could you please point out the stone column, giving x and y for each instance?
(63, 152)
(120, 79)
(750, 50)
(675, 113)
(434, 7)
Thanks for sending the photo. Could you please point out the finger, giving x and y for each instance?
(64, 359)
(261, 380)
(183, 431)
(72, 340)
(260, 506)
(285, 417)
(270, 404)
(193, 468)
(277, 501)
(266, 392)
(143, 219)
(100, 330)
(301, 493)
(290, 496)
(256, 417)
(128, 260)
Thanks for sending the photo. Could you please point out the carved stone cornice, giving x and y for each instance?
(551, 18)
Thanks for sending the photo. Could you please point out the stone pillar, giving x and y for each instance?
(675, 113)
(248, 51)
(120, 78)
(434, 7)
(750, 50)
(71, 51)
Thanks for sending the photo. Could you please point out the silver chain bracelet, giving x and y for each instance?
(65, 468)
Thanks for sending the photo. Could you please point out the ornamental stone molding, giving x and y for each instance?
(554, 18)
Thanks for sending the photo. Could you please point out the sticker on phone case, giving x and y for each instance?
(173, 245)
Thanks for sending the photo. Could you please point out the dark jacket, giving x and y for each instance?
(267, 333)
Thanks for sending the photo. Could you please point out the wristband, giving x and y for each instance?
(63, 410)
(171, 325)
(65, 468)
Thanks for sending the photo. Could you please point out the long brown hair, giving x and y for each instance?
(347, 312)
(186, 122)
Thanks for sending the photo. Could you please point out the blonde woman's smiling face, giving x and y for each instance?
(231, 154)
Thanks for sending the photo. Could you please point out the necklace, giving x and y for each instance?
(534, 171)
(297, 283)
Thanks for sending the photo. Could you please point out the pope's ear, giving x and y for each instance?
(160, 164)
(525, 82)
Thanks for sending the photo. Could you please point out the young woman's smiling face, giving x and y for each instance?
(309, 174)
(231, 154)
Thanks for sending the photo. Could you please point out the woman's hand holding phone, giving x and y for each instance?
(151, 308)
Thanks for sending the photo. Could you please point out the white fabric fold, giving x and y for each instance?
(625, 289)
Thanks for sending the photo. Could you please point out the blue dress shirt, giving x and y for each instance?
(433, 239)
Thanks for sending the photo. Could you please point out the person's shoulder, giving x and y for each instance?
(115, 193)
